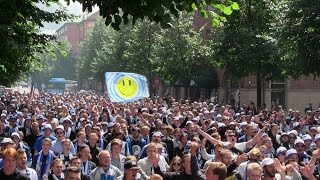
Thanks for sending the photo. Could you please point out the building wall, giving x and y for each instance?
(298, 99)
(73, 36)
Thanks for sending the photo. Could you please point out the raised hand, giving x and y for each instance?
(241, 158)
(194, 148)
(155, 160)
(280, 168)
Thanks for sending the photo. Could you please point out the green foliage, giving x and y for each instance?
(300, 37)
(21, 40)
(247, 44)
(116, 12)
(57, 61)
(175, 54)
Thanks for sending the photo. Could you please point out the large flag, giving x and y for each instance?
(126, 87)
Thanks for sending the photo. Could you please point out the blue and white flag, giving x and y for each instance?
(126, 87)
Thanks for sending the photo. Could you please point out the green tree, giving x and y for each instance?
(116, 12)
(57, 61)
(248, 45)
(21, 39)
(300, 40)
(180, 52)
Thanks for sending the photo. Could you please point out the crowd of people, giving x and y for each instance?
(85, 136)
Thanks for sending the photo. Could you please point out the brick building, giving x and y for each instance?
(290, 93)
(74, 32)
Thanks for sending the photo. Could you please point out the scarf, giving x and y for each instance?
(87, 168)
(56, 178)
(101, 143)
(39, 168)
(65, 163)
(67, 133)
(109, 175)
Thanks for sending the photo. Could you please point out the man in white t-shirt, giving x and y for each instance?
(146, 163)
(22, 165)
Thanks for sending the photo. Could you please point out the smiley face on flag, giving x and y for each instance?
(126, 87)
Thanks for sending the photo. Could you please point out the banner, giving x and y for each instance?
(126, 87)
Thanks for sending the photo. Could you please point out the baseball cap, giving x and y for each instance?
(306, 137)
(293, 132)
(317, 137)
(12, 117)
(59, 127)
(281, 150)
(158, 134)
(131, 165)
(15, 134)
(67, 119)
(47, 126)
(40, 117)
(189, 122)
(291, 152)
(266, 161)
(7, 141)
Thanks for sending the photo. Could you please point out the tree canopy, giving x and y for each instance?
(20, 21)
(116, 12)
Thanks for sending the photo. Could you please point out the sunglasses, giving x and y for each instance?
(300, 145)
(176, 164)
(283, 154)
(59, 132)
(231, 135)
(264, 152)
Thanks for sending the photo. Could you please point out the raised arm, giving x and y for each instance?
(196, 173)
(257, 137)
(207, 136)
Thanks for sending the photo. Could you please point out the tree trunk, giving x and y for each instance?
(259, 86)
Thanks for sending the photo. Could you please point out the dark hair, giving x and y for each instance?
(72, 169)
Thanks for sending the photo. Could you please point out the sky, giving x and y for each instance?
(74, 8)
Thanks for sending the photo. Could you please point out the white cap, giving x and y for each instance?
(59, 127)
(189, 122)
(306, 137)
(281, 150)
(66, 119)
(293, 132)
(298, 141)
(47, 126)
(221, 125)
(158, 134)
(317, 137)
(7, 141)
(16, 134)
(291, 152)
(19, 113)
(243, 124)
(219, 116)
(266, 161)
(237, 114)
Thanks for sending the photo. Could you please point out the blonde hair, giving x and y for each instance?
(155, 177)
(254, 167)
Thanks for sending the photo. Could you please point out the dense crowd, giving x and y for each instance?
(85, 136)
